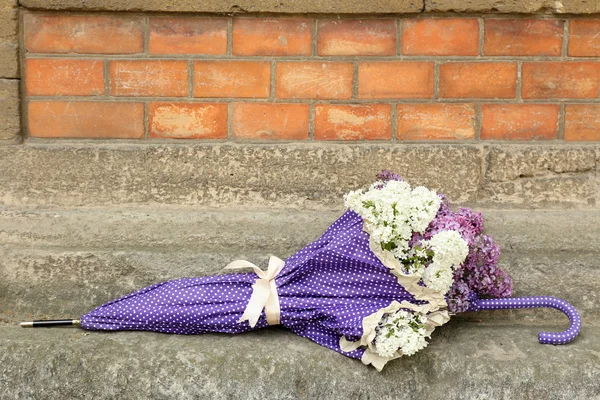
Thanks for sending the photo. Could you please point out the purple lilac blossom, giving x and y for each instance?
(479, 275)
(387, 175)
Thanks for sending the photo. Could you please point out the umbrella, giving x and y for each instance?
(335, 292)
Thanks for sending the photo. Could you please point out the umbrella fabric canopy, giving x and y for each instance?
(325, 290)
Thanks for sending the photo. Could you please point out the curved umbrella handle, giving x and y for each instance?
(535, 302)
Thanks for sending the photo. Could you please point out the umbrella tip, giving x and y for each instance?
(51, 323)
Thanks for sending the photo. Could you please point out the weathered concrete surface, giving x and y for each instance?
(260, 230)
(234, 6)
(224, 175)
(537, 176)
(66, 262)
(325, 6)
(181, 229)
(304, 175)
(514, 6)
(9, 42)
(480, 361)
(10, 124)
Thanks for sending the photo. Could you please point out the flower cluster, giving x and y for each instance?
(400, 331)
(393, 213)
(479, 274)
(445, 249)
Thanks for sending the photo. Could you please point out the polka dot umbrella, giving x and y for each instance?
(325, 292)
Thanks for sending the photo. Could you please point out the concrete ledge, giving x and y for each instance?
(223, 175)
(292, 175)
(462, 360)
(324, 6)
(235, 6)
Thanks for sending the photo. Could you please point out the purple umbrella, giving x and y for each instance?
(324, 292)
(334, 292)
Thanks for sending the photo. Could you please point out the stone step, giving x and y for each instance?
(268, 230)
(462, 359)
(292, 175)
(64, 262)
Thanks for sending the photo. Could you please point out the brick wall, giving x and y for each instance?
(295, 78)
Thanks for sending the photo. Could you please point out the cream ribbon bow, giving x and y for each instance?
(264, 291)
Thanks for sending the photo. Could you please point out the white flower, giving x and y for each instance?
(390, 209)
(438, 277)
(449, 249)
(400, 331)
(424, 204)
(387, 346)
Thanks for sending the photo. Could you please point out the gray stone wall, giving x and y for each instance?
(9, 72)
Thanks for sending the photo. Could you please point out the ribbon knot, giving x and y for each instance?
(264, 291)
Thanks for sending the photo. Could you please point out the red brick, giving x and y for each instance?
(395, 80)
(440, 37)
(478, 80)
(314, 80)
(584, 38)
(187, 35)
(436, 121)
(63, 77)
(519, 121)
(272, 37)
(188, 120)
(69, 119)
(356, 38)
(232, 79)
(83, 34)
(270, 121)
(523, 37)
(582, 122)
(353, 122)
(148, 78)
(560, 80)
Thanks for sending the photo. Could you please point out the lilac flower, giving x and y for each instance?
(444, 206)
(479, 275)
(466, 221)
(458, 297)
(387, 175)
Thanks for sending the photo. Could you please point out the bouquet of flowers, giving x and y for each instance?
(374, 286)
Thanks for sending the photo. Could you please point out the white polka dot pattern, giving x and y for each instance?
(535, 302)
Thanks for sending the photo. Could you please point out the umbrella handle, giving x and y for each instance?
(535, 302)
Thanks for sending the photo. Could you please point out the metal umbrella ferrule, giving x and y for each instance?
(50, 323)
